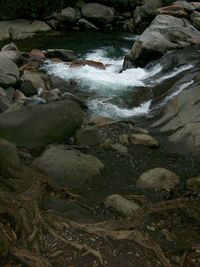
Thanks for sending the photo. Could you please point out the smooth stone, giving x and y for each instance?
(87, 24)
(8, 67)
(87, 136)
(98, 13)
(31, 83)
(124, 139)
(120, 148)
(19, 96)
(71, 97)
(14, 56)
(121, 205)
(158, 178)
(49, 96)
(68, 167)
(143, 139)
(9, 156)
(7, 81)
(37, 126)
(194, 184)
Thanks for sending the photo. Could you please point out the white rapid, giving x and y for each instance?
(105, 85)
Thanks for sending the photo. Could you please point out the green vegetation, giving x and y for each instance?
(31, 8)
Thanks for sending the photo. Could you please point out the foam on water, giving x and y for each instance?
(106, 84)
(174, 94)
(98, 79)
(110, 110)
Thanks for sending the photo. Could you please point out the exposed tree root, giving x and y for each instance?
(23, 224)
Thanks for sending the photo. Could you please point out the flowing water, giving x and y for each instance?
(107, 89)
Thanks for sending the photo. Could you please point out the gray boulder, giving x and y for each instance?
(69, 14)
(180, 120)
(21, 29)
(8, 67)
(7, 81)
(98, 13)
(14, 56)
(40, 125)
(158, 178)
(164, 34)
(68, 167)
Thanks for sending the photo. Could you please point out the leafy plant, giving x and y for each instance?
(32, 8)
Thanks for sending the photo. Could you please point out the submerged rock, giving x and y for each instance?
(158, 178)
(121, 205)
(68, 167)
(40, 125)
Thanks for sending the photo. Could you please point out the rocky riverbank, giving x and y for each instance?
(80, 190)
(132, 16)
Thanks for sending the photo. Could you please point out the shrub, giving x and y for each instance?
(31, 8)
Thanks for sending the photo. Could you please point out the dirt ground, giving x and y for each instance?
(174, 231)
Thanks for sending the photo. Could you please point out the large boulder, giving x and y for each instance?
(37, 126)
(21, 29)
(164, 34)
(180, 119)
(68, 167)
(98, 13)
